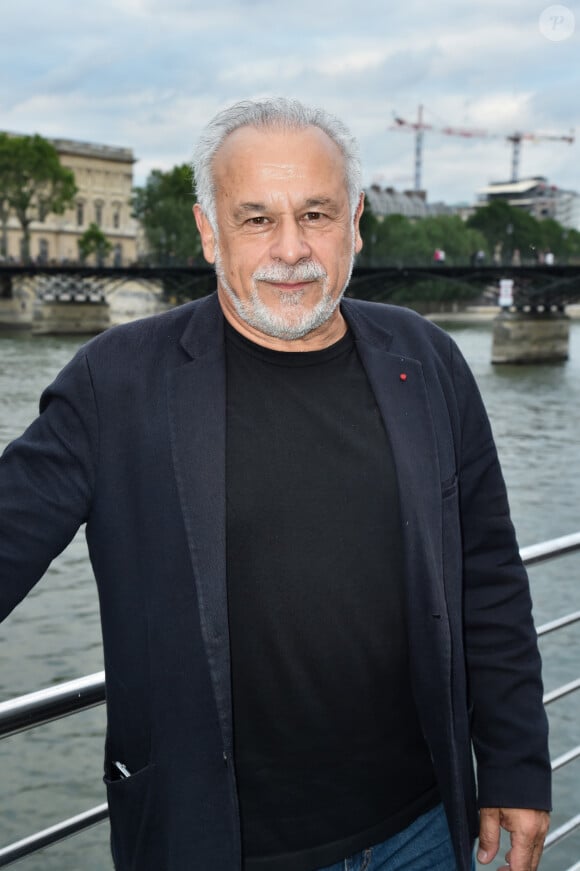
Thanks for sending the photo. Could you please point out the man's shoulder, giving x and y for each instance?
(148, 336)
(402, 326)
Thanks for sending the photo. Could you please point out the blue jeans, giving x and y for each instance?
(425, 845)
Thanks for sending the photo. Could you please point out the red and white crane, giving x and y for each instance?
(419, 127)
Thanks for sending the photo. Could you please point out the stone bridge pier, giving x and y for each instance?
(533, 336)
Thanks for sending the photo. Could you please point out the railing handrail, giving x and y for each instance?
(559, 623)
(52, 703)
(545, 550)
(58, 832)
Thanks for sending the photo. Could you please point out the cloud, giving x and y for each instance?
(149, 73)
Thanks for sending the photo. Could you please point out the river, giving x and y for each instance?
(55, 771)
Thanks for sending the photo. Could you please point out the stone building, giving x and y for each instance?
(104, 178)
(537, 197)
(413, 204)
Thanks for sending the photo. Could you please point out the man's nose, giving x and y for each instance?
(289, 244)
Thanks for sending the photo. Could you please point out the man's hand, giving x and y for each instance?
(527, 828)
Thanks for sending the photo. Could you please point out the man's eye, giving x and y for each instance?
(258, 220)
(313, 216)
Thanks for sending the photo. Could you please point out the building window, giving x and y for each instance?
(116, 218)
(99, 214)
(118, 255)
(43, 250)
(42, 211)
(80, 214)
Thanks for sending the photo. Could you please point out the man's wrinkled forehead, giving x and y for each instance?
(280, 151)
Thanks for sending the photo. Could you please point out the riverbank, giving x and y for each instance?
(127, 304)
(484, 314)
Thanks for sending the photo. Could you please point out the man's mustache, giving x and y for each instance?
(308, 271)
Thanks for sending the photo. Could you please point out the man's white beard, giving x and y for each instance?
(293, 322)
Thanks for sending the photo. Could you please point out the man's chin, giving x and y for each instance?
(289, 322)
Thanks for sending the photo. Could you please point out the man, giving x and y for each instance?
(312, 600)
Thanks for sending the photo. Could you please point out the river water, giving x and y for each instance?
(55, 771)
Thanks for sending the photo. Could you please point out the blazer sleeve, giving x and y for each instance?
(509, 724)
(46, 481)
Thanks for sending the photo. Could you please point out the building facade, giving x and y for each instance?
(413, 204)
(537, 197)
(104, 179)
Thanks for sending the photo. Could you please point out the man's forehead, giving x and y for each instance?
(276, 147)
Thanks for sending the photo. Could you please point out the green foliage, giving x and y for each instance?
(511, 228)
(33, 181)
(514, 229)
(94, 241)
(398, 240)
(436, 290)
(573, 245)
(554, 237)
(164, 208)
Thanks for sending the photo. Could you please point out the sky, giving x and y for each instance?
(149, 74)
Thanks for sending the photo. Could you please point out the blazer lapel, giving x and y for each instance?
(197, 408)
(401, 392)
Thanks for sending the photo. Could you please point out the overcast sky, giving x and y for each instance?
(148, 74)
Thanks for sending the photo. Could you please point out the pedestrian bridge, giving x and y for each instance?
(535, 287)
(532, 328)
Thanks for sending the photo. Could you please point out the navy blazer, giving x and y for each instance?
(131, 441)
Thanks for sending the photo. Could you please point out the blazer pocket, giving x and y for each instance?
(130, 809)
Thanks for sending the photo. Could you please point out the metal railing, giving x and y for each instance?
(46, 705)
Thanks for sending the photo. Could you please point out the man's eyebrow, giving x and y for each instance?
(252, 208)
(317, 202)
(247, 208)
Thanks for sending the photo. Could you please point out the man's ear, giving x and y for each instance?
(207, 235)
(358, 242)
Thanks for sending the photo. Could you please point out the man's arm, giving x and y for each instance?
(509, 725)
(46, 480)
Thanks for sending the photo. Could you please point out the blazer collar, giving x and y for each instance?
(204, 331)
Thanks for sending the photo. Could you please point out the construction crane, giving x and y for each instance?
(419, 127)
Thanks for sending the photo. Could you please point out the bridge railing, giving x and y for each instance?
(534, 285)
(46, 705)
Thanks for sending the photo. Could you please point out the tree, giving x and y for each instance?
(5, 168)
(164, 208)
(94, 241)
(508, 226)
(369, 229)
(33, 181)
(573, 245)
(450, 233)
(554, 238)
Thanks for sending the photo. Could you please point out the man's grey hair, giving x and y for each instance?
(272, 112)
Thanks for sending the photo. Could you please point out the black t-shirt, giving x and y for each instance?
(328, 749)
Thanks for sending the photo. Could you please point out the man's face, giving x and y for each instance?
(286, 239)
